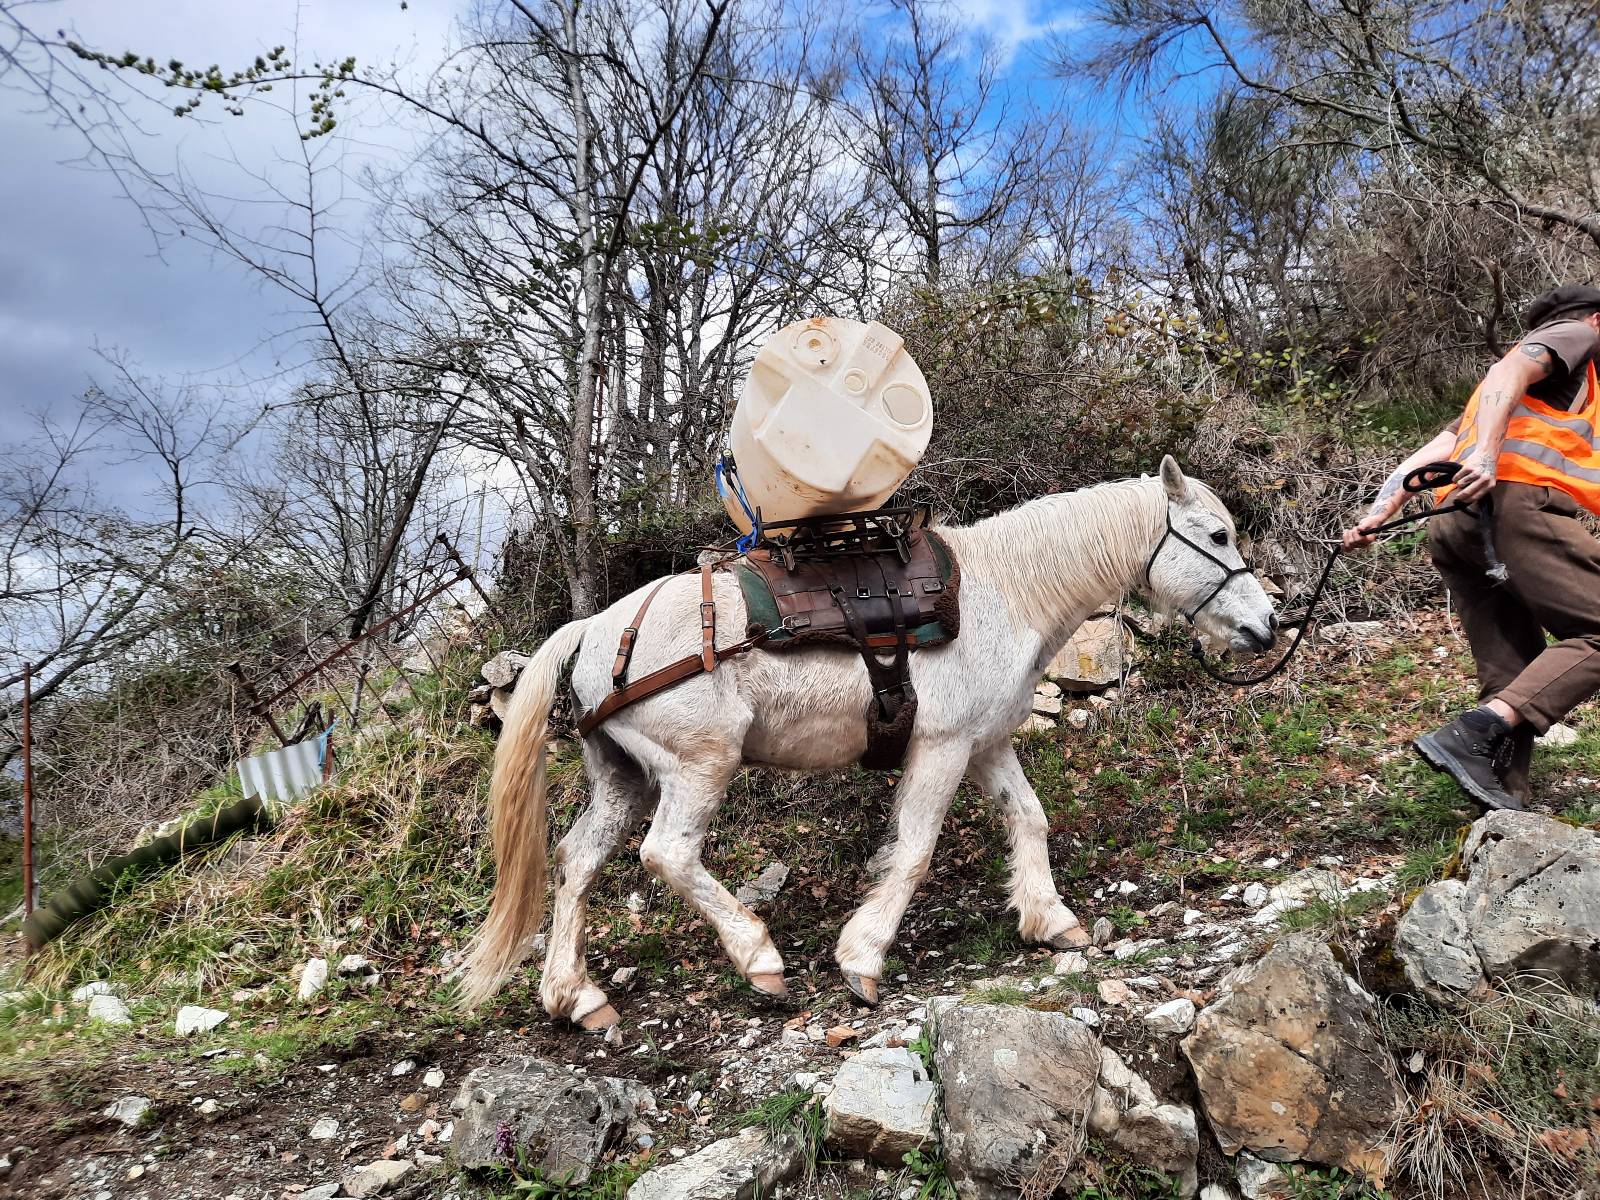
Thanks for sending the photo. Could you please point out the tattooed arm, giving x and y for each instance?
(1505, 384)
(1392, 494)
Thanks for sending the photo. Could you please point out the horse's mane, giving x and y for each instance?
(1062, 554)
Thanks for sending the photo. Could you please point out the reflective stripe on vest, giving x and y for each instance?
(1544, 446)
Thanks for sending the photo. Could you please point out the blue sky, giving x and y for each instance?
(78, 268)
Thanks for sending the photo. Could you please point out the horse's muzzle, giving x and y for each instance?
(1261, 639)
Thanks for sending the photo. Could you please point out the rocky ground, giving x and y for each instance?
(1197, 841)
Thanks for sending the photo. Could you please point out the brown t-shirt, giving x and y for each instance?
(1572, 345)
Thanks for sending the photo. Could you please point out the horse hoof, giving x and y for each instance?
(1076, 938)
(770, 983)
(600, 1020)
(864, 986)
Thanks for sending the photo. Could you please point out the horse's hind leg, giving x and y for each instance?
(921, 800)
(619, 793)
(690, 795)
(1041, 915)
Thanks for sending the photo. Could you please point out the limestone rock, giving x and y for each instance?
(1558, 736)
(1300, 889)
(1266, 1180)
(130, 1110)
(1115, 993)
(881, 1105)
(1047, 706)
(109, 1010)
(764, 888)
(500, 703)
(1529, 905)
(564, 1122)
(1433, 942)
(1094, 657)
(1289, 1065)
(313, 977)
(1175, 1016)
(743, 1167)
(375, 1177)
(426, 656)
(1351, 633)
(502, 670)
(1016, 1082)
(1036, 724)
(86, 993)
(193, 1018)
(324, 1129)
(354, 964)
(1126, 1112)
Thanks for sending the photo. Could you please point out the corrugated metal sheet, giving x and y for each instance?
(286, 774)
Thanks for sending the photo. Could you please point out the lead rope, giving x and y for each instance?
(1426, 478)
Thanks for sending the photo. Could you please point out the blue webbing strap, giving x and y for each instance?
(727, 477)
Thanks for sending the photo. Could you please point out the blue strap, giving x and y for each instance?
(728, 477)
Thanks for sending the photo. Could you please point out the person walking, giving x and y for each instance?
(1528, 445)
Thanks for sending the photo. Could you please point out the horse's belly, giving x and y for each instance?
(807, 741)
(809, 709)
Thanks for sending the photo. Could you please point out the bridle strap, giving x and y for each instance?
(1229, 574)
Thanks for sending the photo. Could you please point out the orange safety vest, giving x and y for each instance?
(1544, 446)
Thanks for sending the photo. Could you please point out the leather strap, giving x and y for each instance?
(708, 621)
(674, 673)
(619, 669)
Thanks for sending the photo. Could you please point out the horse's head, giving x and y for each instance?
(1195, 568)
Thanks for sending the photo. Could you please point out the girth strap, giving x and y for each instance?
(889, 722)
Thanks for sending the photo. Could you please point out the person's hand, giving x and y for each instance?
(1360, 535)
(1476, 478)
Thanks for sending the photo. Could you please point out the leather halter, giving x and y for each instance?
(1229, 574)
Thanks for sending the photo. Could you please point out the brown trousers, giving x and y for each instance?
(1554, 563)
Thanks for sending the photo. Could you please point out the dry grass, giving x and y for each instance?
(1507, 1095)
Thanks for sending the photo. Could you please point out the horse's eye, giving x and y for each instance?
(1220, 537)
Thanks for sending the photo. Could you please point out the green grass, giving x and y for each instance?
(1332, 913)
(928, 1174)
(1000, 993)
(794, 1112)
(610, 1181)
(1499, 1076)
(10, 875)
(1427, 864)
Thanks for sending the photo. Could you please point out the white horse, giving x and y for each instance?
(1028, 579)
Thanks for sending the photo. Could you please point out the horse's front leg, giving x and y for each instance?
(920, 803)
(1041, 914)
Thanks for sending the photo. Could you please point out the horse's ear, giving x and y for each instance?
(1174, 480)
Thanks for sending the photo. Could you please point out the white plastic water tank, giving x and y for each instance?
(833, 418)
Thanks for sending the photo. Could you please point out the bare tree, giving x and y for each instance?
(966, 170)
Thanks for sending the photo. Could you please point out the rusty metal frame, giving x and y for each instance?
(265, 706)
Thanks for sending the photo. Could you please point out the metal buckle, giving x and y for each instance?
(863, 593)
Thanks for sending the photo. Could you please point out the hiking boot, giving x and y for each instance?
(1473, 750)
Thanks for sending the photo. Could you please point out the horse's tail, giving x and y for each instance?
(517, 823)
